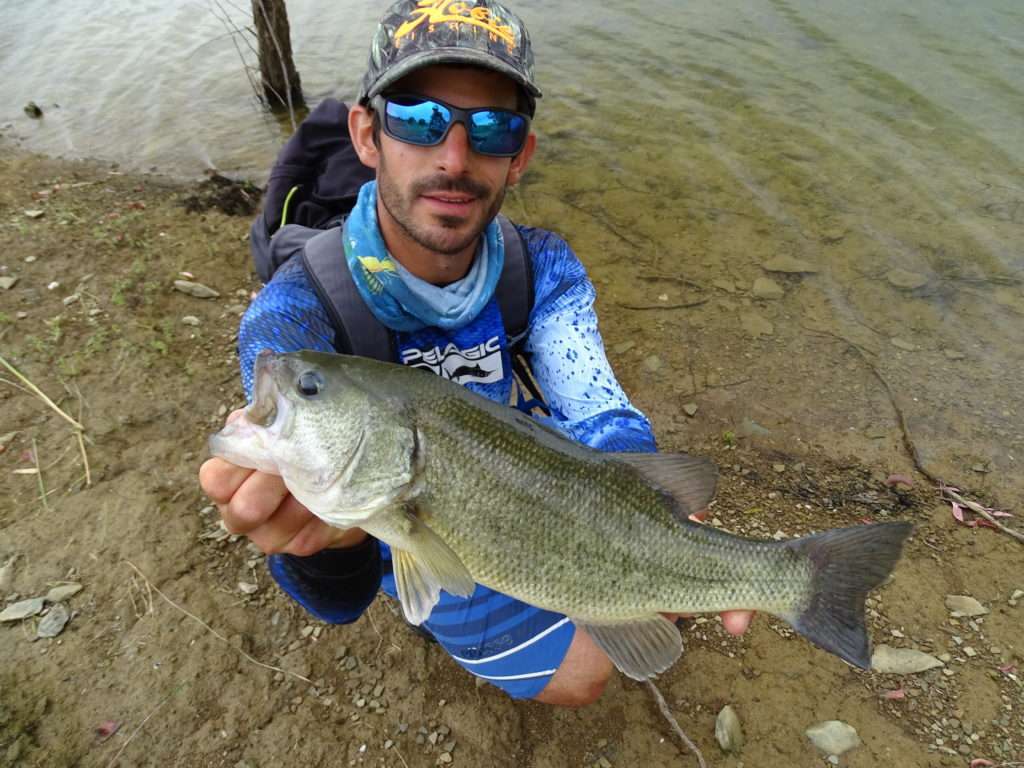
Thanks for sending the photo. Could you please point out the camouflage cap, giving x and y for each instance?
(418, 33)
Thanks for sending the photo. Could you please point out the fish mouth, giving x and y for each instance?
(247, 441)
(263, 410)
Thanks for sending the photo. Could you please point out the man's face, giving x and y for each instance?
(442, 197)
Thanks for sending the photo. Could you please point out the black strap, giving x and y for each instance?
(357, 331)
(515, 287)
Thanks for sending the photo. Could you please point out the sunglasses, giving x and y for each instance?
(426, 122)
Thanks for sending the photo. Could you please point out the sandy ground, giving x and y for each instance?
(181, 642)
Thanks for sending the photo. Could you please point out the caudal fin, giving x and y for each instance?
(848, 563)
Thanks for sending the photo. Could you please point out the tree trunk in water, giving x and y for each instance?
(281, 84)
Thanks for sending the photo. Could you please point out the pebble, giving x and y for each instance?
(766, 288)
(22, 609)
(690, 409)
(198, 290)
(903, 344)
(970, 652)
(902, 661)
(7, 282)
(1017, 594)
(190, 320)
(906, 281)
(789, 265)
(69, 300)
(728, 730)
(62, 592)
(444, 758)
(724, 284)
(22, 315)
(833, 737)
(34, 213)
(53, 623)
(964, 605)
(652, 363)
(623, 347)
(953, 354)
(755, 325)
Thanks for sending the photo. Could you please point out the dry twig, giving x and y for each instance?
(674, 723)
(39, 476)
(978, 509)
(155, 709)
(214, 632)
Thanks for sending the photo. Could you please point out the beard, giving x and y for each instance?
(446, 235)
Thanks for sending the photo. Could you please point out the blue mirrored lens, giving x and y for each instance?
(423, 122)
(494, 132)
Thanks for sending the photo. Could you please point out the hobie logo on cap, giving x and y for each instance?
(433, 12)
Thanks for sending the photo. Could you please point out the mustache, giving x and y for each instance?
(441, 183)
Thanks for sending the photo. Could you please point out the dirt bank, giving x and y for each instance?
(172, 636)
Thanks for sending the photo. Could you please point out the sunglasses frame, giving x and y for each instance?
(380, 102)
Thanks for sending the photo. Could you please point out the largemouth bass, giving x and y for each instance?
(469, 491)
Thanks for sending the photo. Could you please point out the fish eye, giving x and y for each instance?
(309, 383)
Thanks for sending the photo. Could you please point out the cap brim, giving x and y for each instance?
(449, 56)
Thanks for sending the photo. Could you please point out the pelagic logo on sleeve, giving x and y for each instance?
(480, 363)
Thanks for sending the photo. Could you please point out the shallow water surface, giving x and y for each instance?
(682, 148)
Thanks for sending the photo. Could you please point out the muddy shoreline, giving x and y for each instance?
(172, 635)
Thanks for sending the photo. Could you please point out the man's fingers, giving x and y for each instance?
(736, 622)
(283, 527)
(221, 479)
(254, 502)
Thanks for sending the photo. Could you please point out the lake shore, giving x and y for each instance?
(179, 650)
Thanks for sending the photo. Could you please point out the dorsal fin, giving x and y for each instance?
(690, 480)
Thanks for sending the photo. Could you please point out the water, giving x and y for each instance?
(681, 147)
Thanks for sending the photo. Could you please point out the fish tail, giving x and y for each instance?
(847, 563)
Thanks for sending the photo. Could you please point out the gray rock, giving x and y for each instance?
(789, 265)
(833, 737)
(53, 623)
(7, 282)
(904, 280)
(964, 605)
(766, 288)
(690, 409)
(7, 576)
(190, 320)
(34, 213)
(755, 325)
(728, 731)
(62, 592)
(903, 344)
(652, 363)
(198, 290)
(22, 609)
(902, 661)
(1017, 594)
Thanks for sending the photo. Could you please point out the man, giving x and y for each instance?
(443, 119)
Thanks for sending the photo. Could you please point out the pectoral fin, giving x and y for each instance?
(424, 565)
(641, 648)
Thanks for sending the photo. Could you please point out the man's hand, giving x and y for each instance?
(258, 505)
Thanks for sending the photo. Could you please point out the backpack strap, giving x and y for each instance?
(357, 331)
(515, 287)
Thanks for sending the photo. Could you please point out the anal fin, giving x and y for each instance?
(640, 648)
